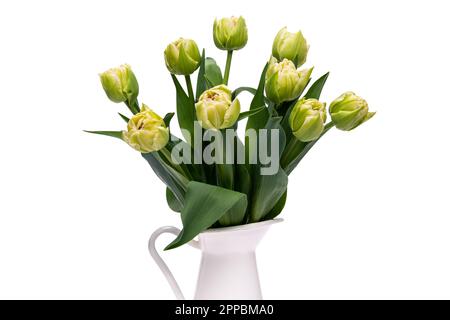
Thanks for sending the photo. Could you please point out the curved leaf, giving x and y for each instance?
(239, 90)
(167, 118)
(279, 206)
(250, 113)
(268, 191)
(203, 206)
(317, 86)
(172, 201)
(169, 176)
(213, 74)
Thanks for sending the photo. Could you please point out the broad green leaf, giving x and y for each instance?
(114, 134)
(316, 88)
(213, 74)
(259, 120)
(250, 113)
(235, 216)
(172, 201)
(267, 191)
(125, 118)
(201, 80)
(185, 111)
(279, 206)
(167, 118)
(203, 206)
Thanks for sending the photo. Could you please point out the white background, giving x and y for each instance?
(367, 213)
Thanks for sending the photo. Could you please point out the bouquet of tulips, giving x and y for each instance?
(214, 178)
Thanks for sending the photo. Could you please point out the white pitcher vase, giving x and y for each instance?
(228, 267)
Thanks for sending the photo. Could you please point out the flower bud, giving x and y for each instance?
(146, 131)
(284, 82)
(291, 46)
(182, 57)
(120, 84)
(349, 111)
(215, 110)
(230, 33)
(307, 119)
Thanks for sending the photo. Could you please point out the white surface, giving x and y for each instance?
(368, 212)
(228, 267)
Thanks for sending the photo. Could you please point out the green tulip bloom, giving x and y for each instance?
(120, 84)
(348, 111)
(291, 46)
(284, 82)
(146, 131)
(307, 119)
(215, 110)
(182, 57)
(230, 33)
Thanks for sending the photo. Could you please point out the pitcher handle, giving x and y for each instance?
(160, 262)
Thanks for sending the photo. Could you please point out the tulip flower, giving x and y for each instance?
(348, 111)
(230, 33)
(307, 119)
(284, 82)
(120, 84)
(291, 46)
(146, 131)
(215, 110)
(182, 57)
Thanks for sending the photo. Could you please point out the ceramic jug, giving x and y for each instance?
(228, 267)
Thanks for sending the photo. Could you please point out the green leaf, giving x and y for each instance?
(213, 74)
(235, 216)
(252, 153)
(185, 111)
(125, 118)
(172, 201)
(239, 90)
(201, 80)
(167, 118)
(267, 191)
(279, 206)
(250, 113)
(260, 120)
(300, 151)
(171, 178)
(285, 122)
(114, 134)
(316, 89)
(204, 205)
(242, 182)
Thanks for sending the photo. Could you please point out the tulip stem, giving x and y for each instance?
(189, 87)
(227, 67)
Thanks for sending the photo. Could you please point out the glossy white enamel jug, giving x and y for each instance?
(228, 266)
